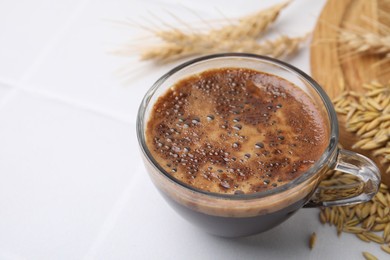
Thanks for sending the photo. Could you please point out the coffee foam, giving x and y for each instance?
(235, 131)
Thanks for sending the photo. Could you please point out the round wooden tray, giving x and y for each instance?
(331, 68)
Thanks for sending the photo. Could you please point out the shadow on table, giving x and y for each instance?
(288, 240)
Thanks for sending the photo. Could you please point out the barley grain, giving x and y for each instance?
(386, 233)
(352, 222)
(374, 237)
(373, 209)
(378, 227)
(322, 217)
(381, 198)
(313, 239)
(386, 248)
(363, 238)
(369, 256)
(355, 230)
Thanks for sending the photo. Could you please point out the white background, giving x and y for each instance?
(72, 185)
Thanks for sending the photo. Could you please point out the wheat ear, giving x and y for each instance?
(251, 26)
(370, 43)
(279, 47)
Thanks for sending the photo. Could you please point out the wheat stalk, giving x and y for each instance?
(280, 47)
(238, 36)
(358, 40)
(368, 42)
(251, 26)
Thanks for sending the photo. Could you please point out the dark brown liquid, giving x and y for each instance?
(236, 131)
(235, 227)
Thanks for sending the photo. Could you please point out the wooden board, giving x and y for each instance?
(331, 68)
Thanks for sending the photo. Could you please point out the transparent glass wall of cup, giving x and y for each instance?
(246, 214)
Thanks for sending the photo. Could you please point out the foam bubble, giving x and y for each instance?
(195, 121)
(210, 118)
(259, 145)
(221, 126)
(237, 127)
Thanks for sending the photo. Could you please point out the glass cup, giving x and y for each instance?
(246, 214)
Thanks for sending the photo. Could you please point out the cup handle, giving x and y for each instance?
(366, 188)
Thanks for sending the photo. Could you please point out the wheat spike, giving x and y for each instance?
(252, 26)
(279, 47)
(239, 35)
(248, 27)
(367, 42)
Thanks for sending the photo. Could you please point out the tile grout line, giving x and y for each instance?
(18, 85)
(112, 217)
(38, 62)
(76, 104)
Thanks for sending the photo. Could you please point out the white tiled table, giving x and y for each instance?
(72, 185)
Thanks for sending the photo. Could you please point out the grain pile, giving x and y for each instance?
(368, 116)
(369, 221)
